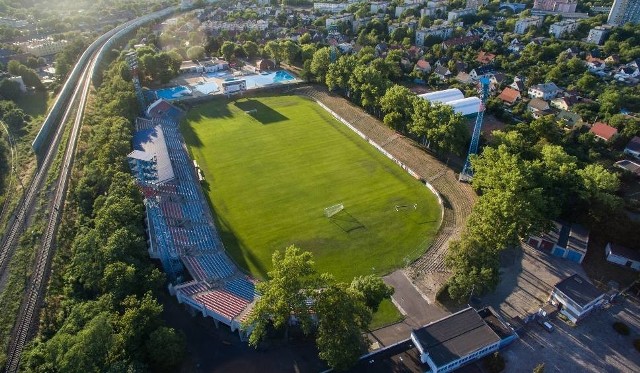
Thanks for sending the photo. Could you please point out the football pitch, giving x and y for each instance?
(273, 164)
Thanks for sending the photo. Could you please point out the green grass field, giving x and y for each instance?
(271, 173)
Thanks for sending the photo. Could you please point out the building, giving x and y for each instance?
(233, 87)
(558, 6)
(598, 34)
(43, 47)
(563, 240)
(461, 41)
(441, 31)
(509, 96)
(563, 28)
(457, 13)
(485, 57)
(475, 4)
(330, 7)
(623, 256)
(624, 11)
(545, 91)
(423, 66)
(603, 131)
(340, 18)
(402, 8)
(442, 72)
(378, 6)
(434, 8)
(461, 338)
(485, 71)
(576, 297)
(190, 67)
(149, 161)
(265, 65)
(628, 165)
(633, 147)
(522, 25)
(443, 96)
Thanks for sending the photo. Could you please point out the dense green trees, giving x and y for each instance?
(296, 294)
(29, 76)
(525, 179)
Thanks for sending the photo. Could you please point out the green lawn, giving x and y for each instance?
(270, 174)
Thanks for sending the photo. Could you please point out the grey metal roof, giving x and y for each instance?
(625, 252)
(579, 290)
(455, 336)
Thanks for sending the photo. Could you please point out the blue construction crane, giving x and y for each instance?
(467, 171)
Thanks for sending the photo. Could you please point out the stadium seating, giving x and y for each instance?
(242, 288)
(181, 229)
(223, 303)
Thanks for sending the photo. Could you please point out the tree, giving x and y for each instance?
(372, 289)
(475, 267)
(165, 349)
(448, 132)
(285, 293)
(227, 49)
(339, 72)
(275, 50)
(195, 52)
(397, 104)
(250, 49)
(320, 63)
(342, 316)
(305, 38)
(9, 89)
(290, 50)
(597, 191)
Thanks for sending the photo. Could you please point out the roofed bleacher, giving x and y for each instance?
(181, 228)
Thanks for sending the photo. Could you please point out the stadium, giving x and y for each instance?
(232, 180)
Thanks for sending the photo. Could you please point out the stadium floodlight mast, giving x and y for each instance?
(467, 171)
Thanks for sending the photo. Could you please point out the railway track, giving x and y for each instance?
(28, 313)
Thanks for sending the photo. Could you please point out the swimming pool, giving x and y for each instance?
(173, 92)
(255, 81)
(207, 88)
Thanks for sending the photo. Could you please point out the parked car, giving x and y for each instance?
(546, 324)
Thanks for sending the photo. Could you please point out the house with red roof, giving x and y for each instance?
(485, 57)
(603, 131)
(509, 96)
(423, 66)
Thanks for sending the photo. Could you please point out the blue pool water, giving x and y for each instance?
(173, 92)
(254, 81)
(207, 88)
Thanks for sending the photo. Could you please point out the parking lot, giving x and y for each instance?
(527, 277)
(591, 346)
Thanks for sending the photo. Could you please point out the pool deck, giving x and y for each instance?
(192, 80)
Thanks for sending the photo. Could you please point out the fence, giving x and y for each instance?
(387, 154)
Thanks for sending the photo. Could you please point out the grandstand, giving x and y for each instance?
(180, 227)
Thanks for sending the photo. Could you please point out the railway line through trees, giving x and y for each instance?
(69, 104)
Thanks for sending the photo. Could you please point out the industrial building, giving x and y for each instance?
(455, 98)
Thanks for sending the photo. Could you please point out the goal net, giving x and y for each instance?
(332, 210)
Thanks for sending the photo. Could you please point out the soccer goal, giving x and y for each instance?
(332, 210)
(406, 207)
